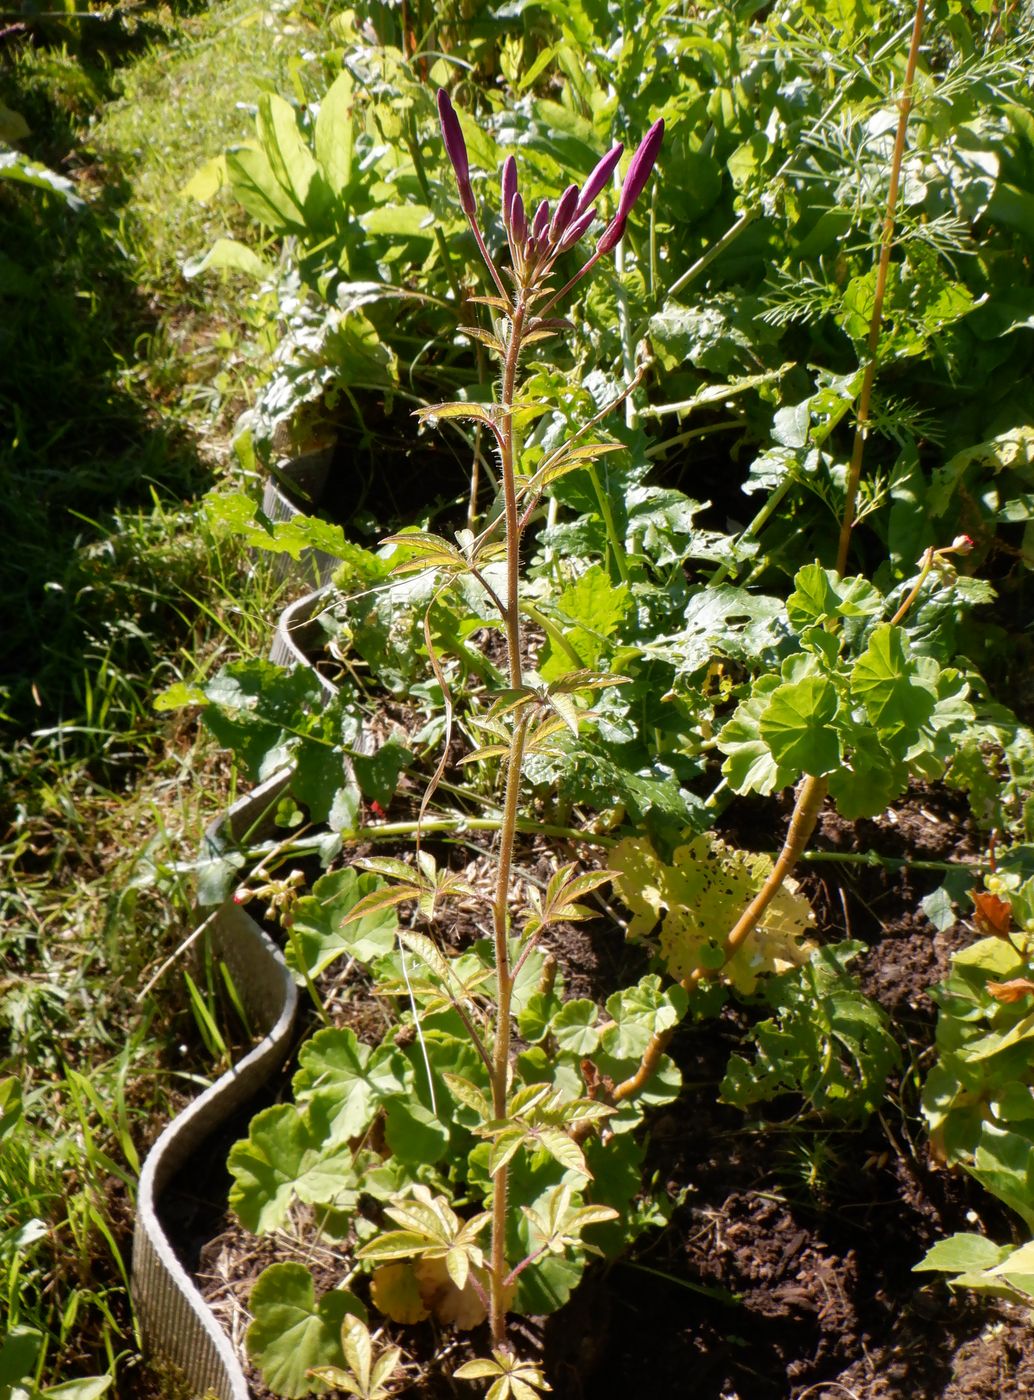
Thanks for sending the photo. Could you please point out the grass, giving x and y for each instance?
(119, 382)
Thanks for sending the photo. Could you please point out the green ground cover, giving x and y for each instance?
(117, 387)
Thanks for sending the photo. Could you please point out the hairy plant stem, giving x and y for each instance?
(498, 1270)
(854, 471)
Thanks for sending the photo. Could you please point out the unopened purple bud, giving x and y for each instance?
(541, 220)
(599, 178)
(577, 229)
(456, 150)
(612, 234)
(563, 214)
(518, 220)
(643, 162)
(509, 186)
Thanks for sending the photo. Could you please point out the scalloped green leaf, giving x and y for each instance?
(319, 934)
(283, 1159)
(291, 1332)
(344, 1082)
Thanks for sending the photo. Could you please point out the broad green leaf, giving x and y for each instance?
(89, 1388)
(228, 255)
(888, 683)
(256, 708)
(344, 1082)
(962, 1254)
(413, 1132)
(828, 1042)
(13, 126)
(19, 1350)
(16, 166)
(1004, 1164)
(589, 611)
(289, 157)
(639, 1013)
(319, 934)
(399, 221)
(333, 135)
(1016, 1261)
(723, 621)
(574, 1028)
(256, 188)
(870, 780)
(207, 181)
(291, 1332)
(378, 774)
(820, 595)
(749, 765)
(797, 726)
(282, 1159)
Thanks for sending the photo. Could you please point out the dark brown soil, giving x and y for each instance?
(785, 1272)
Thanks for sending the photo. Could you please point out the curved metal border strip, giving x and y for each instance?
(175, 1321)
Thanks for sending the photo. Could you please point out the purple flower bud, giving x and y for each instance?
(611, 236)
(639, 171)
(456, 150)
(563, 214)
(599, 178)
(518, 220)
(509, 187)
(575, 231)
(541, 220)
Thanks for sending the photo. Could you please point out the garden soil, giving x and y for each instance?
(785, 1271)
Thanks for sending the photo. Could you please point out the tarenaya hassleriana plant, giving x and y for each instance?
(523, 302)
(508, 1111)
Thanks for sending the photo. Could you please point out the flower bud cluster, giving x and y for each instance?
(537, 241)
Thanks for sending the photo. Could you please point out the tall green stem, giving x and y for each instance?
(500, 912)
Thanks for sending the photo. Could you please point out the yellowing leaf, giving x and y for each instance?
(396, 1293)
(697, 899)
(459, 1307)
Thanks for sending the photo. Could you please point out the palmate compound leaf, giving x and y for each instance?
(697, 899)
(513, 1379)
(367, 1373)
(292, 1333)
